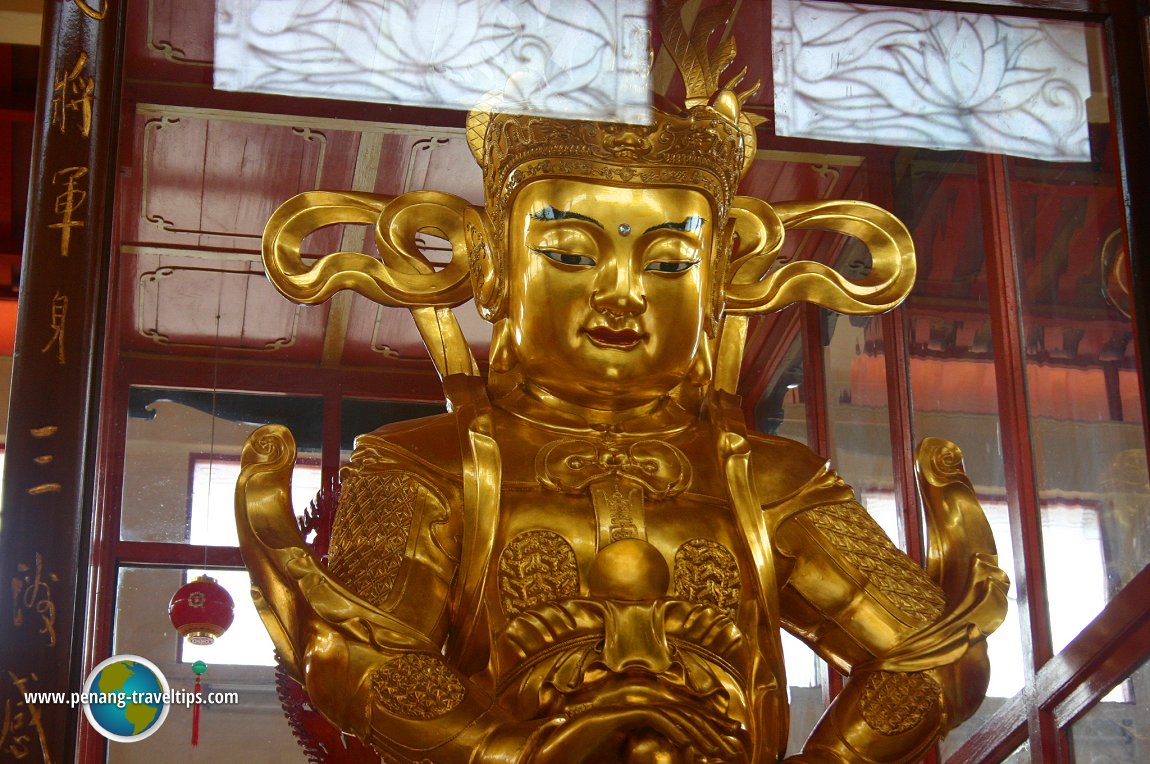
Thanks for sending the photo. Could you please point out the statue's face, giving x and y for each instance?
(607, 288)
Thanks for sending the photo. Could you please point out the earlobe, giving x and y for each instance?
(486, 263)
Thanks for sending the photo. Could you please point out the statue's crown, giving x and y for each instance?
(707, 146)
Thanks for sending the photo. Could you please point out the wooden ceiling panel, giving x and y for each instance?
(170, 40)
(208, 305)
(213, 181)
(379, 335)
(443, 163)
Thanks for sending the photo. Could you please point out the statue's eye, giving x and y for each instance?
(566, 258)
(671, 266)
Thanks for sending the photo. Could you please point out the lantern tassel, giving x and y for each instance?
(196, 715)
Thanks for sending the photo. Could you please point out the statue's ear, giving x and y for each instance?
(751, 287)
(488, 274)
(403, 276)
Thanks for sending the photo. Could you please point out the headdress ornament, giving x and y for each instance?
(707, 146)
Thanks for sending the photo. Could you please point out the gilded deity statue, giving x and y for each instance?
(589, 558)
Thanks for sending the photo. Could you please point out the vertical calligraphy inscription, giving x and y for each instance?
(42, 460)
(68, 204)
(73, 94)
(43, 541)
(58, 317)
(21, 721)
(32, 596)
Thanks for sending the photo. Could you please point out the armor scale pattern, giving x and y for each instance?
(417, 686)
(854, 533)
(895, 703)
(706, 574)
(372, 526)
(536, 567)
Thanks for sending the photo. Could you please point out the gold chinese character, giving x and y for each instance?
(74, 93)
(21, 718)
(32, 592)
(13, 740)
(68, 203)
(58, 316)
(91, 12)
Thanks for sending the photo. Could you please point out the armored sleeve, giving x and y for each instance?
(858, 600)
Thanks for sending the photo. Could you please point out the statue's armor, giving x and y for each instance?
(620, 573)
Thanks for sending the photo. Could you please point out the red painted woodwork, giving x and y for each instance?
(1127, 33)
(814, 380)
(902, 433)
(49, 450)
(1010, 374)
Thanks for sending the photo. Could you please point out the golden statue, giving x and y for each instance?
(589, 558)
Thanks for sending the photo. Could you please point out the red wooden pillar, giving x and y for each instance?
(49, 467)
(1010, 372)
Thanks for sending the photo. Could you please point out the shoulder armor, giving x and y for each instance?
(790, 477)
(431, 445)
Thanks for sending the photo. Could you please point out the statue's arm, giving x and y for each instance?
(364, 635)
(915, 655)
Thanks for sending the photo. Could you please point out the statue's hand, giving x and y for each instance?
(639, 735)
(334, 677)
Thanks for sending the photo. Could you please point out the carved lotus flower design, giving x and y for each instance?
(931, 78)
(577, 58)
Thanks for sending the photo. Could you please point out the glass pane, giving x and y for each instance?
(1083, 386)
(181, 459)
(254, 725)
(358, 417)
(858, 413)
(1117, 729)
(935, 79)
(781, 409)
(806, 675)
(952, 374)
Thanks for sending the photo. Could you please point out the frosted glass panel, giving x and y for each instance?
(582, 59)
(933, 79)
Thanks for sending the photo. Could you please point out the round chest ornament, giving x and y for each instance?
(201, 610)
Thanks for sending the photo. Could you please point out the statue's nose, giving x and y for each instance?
(619, 290)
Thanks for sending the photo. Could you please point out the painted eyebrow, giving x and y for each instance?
(550, 213)
(689, 225)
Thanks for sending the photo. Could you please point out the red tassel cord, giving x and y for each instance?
(196, 715)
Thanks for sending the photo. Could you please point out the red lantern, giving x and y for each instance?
(201, 610)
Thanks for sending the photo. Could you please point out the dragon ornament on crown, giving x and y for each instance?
(589, 558)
